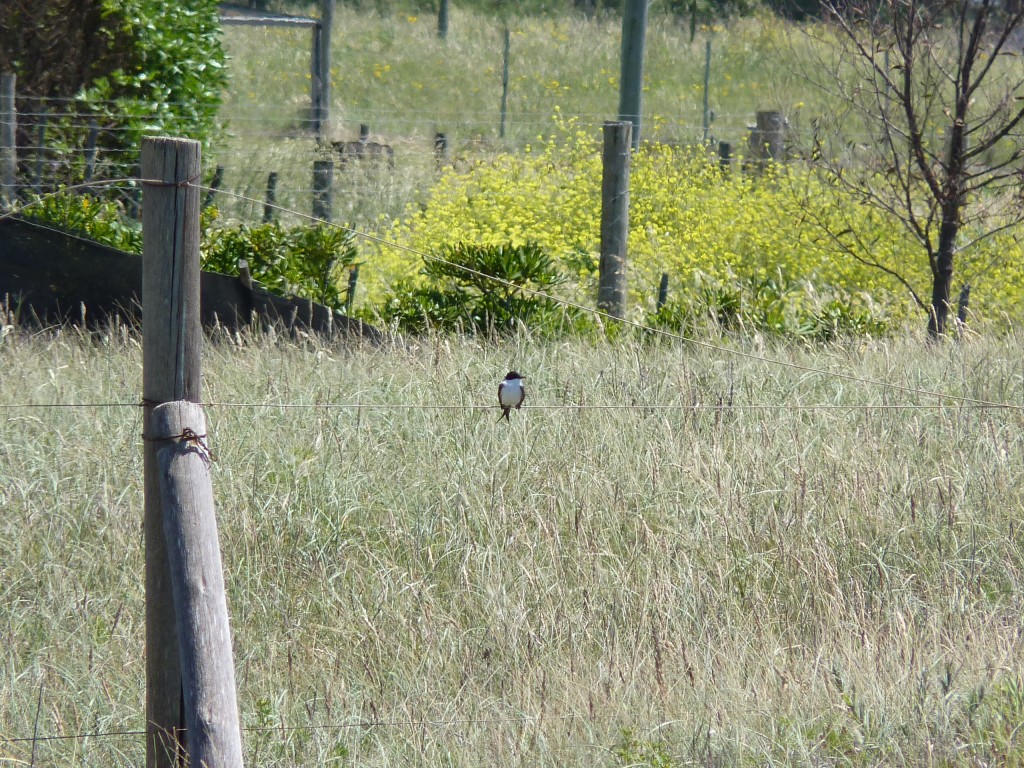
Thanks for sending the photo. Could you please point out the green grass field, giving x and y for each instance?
(393, 73)
(677, 554)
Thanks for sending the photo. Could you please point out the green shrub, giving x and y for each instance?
(770, 306)
(134, 67)
(483, 289)
(100, 220)
(304, 261)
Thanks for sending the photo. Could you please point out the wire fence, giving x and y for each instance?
(942, 398)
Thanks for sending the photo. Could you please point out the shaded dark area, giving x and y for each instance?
(51, 277)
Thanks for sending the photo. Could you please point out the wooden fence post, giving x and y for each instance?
(8, 141)
(271, 200)
(90, 150)
(441, 148)
(442, 19)
(171, 347)
(323, 180)
(768, 137)
(724, 155)
(663, 291)
(197, 581)
(611, 291)
(707, 88)
(634, 41)
(350, 296)
(215, 182)
(504, 81)
(321, 66)
(37, 182)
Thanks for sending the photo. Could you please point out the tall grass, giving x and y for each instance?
(710, 582)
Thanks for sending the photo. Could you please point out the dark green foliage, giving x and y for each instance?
(133, 67)
(770, 306)
(100, 220)
(302, 261)
(483, 289)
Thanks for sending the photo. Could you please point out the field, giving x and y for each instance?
(743, 549)
(723, 553)
(392, 73)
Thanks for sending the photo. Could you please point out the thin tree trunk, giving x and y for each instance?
(942, 275)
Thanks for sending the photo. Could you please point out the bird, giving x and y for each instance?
(511, 394)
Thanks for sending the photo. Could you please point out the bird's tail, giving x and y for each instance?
(504, 414)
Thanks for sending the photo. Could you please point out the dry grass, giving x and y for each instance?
(595, 586)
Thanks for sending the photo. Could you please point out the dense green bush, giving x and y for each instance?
(770, 306)
(133, 67)
(482, 289)
(100, 220)
(304, 261)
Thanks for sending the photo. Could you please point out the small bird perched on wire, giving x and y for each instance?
(511, 394)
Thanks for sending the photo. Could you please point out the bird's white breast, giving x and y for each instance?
(511, 392)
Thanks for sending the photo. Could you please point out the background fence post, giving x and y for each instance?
(37, 182)
(611, 291)
(197, 581)
(8, 141)
(441, 148)
(171, 349)
(634, 40)
(321, 66)
(271, 199)
(215, 182)
(768, 138)
(442, 20)
(707, 88)
(90, 151)
(504, 81)
(323, 180)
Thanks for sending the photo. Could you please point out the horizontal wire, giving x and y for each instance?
(566, 302)
(313, 727)
(625, 321)
(553, 407)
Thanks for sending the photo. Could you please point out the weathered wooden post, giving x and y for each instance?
(171, 343)
(37, 182)
(504, 81)
(768, 137)
(215, 182)
(8, 141)
(442, 20)
(91, 140)
(197, 579)
(707, 89)
(441, 149)
(321, 66)
(724, 155)
(350, 296)
(611, 291)
(271, 199)
(663, 291)
(323, 181)
(634, 37)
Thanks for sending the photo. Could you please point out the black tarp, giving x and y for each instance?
(53, 277)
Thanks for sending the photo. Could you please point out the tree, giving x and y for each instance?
(926, 106)
(134, 66)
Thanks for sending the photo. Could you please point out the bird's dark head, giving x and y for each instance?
(513, 375)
